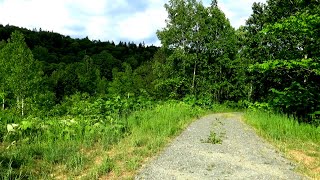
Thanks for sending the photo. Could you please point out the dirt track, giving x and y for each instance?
(241, 155)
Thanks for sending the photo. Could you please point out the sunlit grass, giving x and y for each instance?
(150, 131)
(85, 148)
(300, 142)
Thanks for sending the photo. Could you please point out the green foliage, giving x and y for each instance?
(2, 44)
(282, 46)
(151, 128)
(107, 166)
(263, 107)
(17, 60)
(79, 93)
(213, 138)
(314, 118)
(58, 140)
(124, 84)
(282, 128)
(40, 103)
(88, 75)
(106, 62)
(201, 39)
(299, 93)
(93, 120)
(70, 66)
(289, 136)
(304, 65)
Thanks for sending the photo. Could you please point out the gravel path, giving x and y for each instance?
(241, 155)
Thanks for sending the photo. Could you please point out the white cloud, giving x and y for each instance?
(50, 15)
(96, 7)
(133, 26)
(97, 27)
(142, 25)
(126, 20)
(237, 11)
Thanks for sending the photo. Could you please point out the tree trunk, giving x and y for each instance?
(221, 87)
(18, 105)
(22, 107)
(250, 92)
(194, 75)
(3, 103)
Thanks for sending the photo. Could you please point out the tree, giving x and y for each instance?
(282, 45)
(88, 75)
(106, 62)
(168, 82)
(182, 31)
(22, 70)
(2, 44)
(244, 82)
(202, 41)
(3, 74)
(220, 50)
(65, 81)
(123, 83)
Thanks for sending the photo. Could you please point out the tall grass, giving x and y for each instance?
(149, 131)
(88, 146)
(281, 127)
(300, 142)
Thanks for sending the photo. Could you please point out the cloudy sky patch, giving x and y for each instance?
(120, 20)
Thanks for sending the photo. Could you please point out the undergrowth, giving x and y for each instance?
(149, 131)
(87, 139)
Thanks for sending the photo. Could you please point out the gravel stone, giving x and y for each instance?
(241, 155)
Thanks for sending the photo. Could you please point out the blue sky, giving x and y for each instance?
(114, 20)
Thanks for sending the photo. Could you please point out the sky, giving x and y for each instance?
(114, 20)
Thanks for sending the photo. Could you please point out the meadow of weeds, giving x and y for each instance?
(78, 138)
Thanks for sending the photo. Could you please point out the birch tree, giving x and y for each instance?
(3, 75)
(21, 70)
(202, 41)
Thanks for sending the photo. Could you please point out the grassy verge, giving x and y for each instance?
(149, 131)
(299, 142)
(90, 146)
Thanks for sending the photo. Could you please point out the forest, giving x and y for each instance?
(62, 97)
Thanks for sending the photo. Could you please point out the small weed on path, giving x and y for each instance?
(213, 138)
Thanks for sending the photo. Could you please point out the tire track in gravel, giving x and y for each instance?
(241, 155)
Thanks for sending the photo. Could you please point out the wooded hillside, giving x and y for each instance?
(61, 96)
(273, 59)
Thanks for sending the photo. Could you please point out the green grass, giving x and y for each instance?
(93, 140)
(149, 131)
(89, 147)
(300, 142)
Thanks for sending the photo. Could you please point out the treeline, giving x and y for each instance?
(66, 103)
(46, 67)
(281, 44)
(272, 62)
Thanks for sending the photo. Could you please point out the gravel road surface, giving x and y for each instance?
(241, 154)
